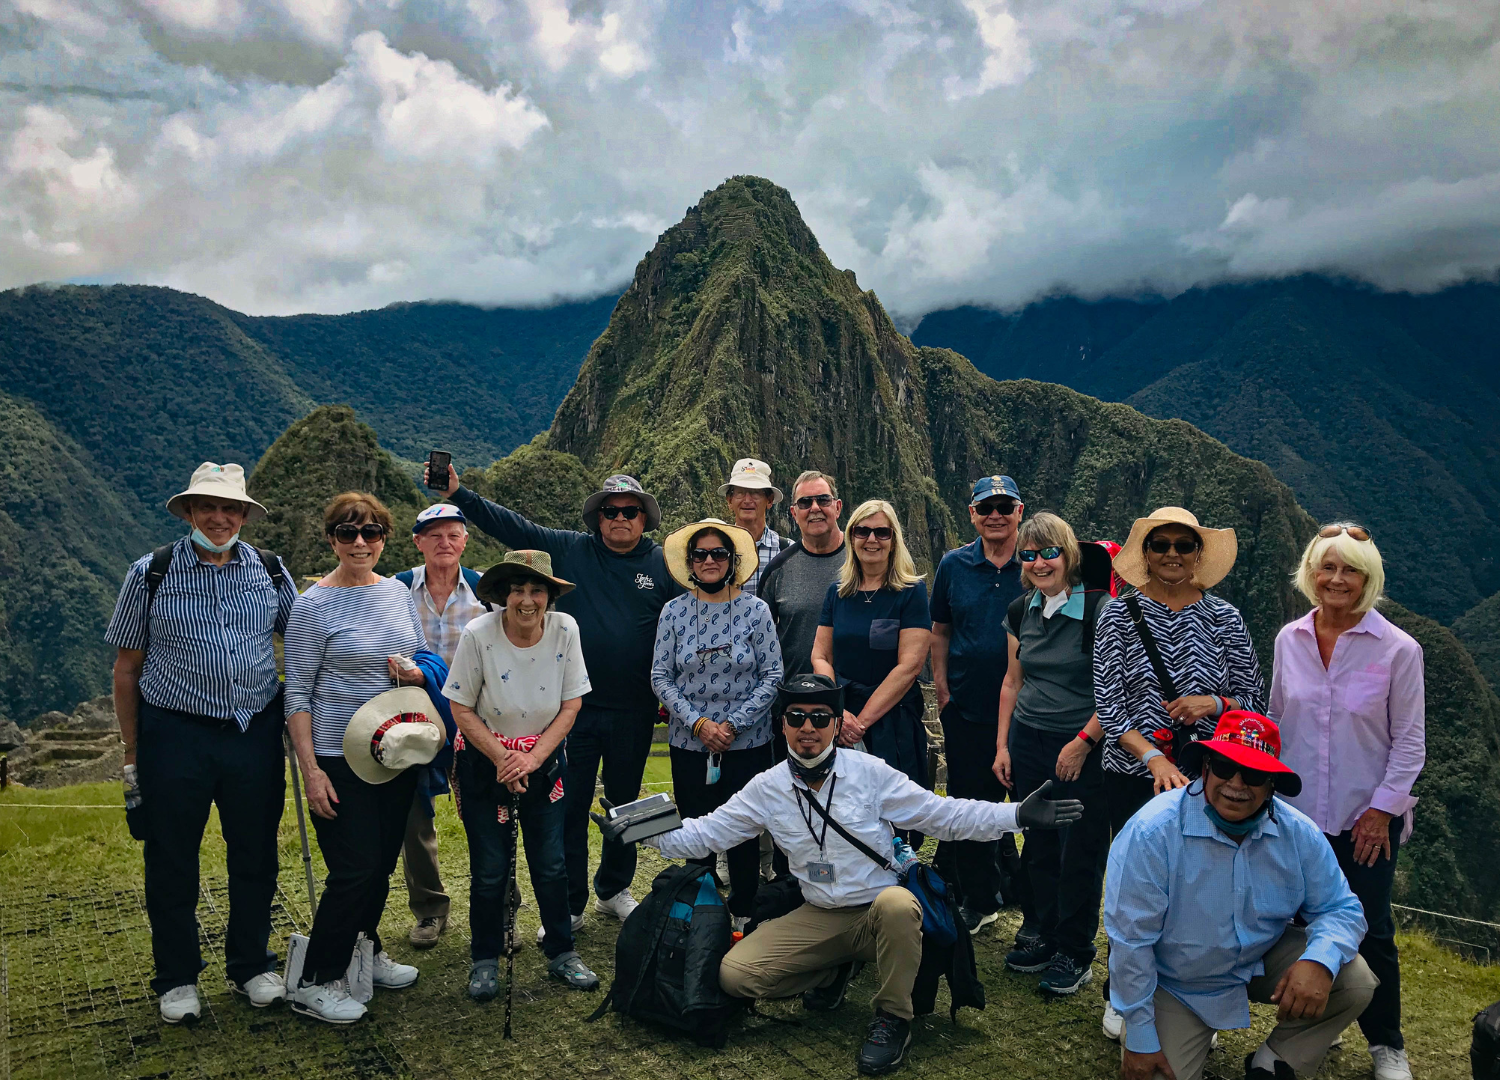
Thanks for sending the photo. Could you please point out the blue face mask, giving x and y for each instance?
(208, 545)
(1236, 828)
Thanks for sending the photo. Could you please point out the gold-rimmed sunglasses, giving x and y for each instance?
(1358, 532)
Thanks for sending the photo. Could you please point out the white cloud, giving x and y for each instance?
(1007, 58)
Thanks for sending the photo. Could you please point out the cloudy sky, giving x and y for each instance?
(329, 155)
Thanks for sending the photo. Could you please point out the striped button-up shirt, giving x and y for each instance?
(766, 548)
(208, 646)
(444, 628)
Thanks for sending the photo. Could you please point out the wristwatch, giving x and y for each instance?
(1084, 735)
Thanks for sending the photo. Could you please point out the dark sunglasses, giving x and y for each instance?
(796, 718)
(864, 532)
(702, 555)
(1225, 768)
(1184, 546)
(370, 530)
(1359, 532)
(629, 513)
(1032, 554)
(807, 501)
(1006, 507)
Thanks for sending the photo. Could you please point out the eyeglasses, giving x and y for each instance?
(372, 531)
(702, 555)
(1005, 507)
(1185, 546)
(796, 718)
(864, 532)
(807, 501)
(1225, 768)
(1032, 554)
(1359, 532)
(629, 513)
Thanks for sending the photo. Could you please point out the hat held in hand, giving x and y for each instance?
(392, 732)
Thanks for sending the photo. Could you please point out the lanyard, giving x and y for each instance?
(807, 813)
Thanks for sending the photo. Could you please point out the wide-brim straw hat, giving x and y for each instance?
(494, 585)
(392, 732)
(674, 548)
(216, 482)
(1215, 558)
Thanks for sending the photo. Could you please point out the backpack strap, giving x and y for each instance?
(156, 573)
(1016, 611)
(1148, 639)
(1092, 599)
(472, 577)
(405, 577)
(272, 562)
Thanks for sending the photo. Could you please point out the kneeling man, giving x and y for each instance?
(855, 910)
(1203, 885)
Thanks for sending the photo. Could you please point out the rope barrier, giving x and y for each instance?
(1445, 915)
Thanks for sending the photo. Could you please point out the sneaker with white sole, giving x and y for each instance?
(1114, 1023)
(180, 1005)
(620, 905)
(390, 975)
(541, 931)
(1390, 1063)
(329, 1002)
(265, 989)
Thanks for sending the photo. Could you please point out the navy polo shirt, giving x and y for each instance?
(971, 595)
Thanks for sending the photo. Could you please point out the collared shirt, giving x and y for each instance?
(1366, 712)
(971, 595)
(208, 646)
(444, 628)
(868, 799)
(766, 549)
(1057, 694)
(1191, 911)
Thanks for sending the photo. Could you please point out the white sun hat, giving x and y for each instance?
(216, 482)
(392, 732)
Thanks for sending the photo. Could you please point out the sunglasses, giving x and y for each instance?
(1182, 547)
(1224, 769)
(1005, 507)
(808, 501)
(864, 532)
(796, 718)
(1032, 554)
(702, 555)
(1359, 532)
(370, 530)
(629, 513)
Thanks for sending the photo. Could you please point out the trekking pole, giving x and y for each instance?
(510, 914)
(291, 757)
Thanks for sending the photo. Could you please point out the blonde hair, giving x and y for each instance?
(900, 571)
(1046, 529)
(1361, 555)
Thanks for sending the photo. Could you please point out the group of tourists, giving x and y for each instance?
(1097, 697)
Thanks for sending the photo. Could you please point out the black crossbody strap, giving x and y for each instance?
(1168, 687)
(859, 845)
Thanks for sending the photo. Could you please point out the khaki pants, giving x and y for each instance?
(801, 951)
(419, 859)
(1300, 1043)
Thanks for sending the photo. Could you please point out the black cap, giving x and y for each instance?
(810, 689)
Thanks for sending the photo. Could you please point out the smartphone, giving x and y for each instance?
(437, 469)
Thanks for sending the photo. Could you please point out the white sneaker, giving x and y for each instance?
(620, 905)
(1390, 1063)
(180, 1005)
(329, 1002)
(1114, 1023)
(390, 975)
(541, 931)
(265, 989)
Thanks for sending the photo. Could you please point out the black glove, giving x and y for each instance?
(1037, 811)
(611, 829)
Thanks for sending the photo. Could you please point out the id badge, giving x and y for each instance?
(821, 873)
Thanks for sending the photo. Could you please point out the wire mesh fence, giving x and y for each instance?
(1474, 939)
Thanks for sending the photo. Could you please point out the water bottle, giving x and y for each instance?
(905, 858)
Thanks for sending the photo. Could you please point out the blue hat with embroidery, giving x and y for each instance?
(436, 513)
(987, 487)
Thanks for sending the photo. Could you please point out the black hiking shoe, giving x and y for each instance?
(1283, 1071)
(830, 997)
(1065, 975)
(1027, 936)
(885, 1045)
(1033, 956)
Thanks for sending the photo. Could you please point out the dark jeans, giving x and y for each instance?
(186, 764)
(360, 848)
(971, 866)
(622, 741)
(1126, 794)
(695, 798)
(1381, 1021)
(1066, 866)
(489, 863)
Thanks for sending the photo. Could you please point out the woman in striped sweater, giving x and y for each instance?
(340, 640)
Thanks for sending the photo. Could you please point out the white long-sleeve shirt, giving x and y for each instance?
(869, 798)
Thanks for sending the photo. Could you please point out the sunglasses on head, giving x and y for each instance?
(370, 530)
(1005, 507)
(1225, 768)
(629, 513)
(807, 501)
(1183, 546)
(880, 532)
(797, 717)
(1032, 554)
(703, 555)
(1359, 532)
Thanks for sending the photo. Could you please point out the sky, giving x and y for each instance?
(284, 156)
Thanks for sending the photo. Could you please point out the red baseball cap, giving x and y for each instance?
(1252, 740)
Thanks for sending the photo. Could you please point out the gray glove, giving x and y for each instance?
(1037, 811)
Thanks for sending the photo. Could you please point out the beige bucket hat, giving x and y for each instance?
(674, 548)
(494, 586)
(216, 482)
(748, 472)
(392, 732)
(1215, 560)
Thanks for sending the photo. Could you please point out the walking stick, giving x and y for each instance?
(510, 915)
(291, 757)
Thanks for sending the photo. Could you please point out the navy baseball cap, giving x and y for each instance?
(988, 487)
(439, 512)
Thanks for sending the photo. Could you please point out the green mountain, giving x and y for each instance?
(1381, 408)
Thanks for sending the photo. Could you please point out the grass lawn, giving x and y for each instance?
(75, 959)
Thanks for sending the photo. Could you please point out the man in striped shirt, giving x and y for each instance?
(199, 705)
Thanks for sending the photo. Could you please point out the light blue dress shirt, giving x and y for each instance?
(1191, 911)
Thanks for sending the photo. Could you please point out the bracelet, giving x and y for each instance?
(1218, 707)
(1084, 735)
(1152, 753)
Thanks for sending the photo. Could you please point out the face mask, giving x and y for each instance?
(1236, 828)
(712, 776)
(712, 587)
(208, 545)
(811, 770)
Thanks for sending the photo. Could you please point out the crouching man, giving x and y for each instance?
(1203, 885)
(855, 911)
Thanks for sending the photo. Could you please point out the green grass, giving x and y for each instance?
(75, 959)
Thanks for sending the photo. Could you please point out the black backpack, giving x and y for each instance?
(1484, 1051)
(667, 958)
(161, 559)
(1092, 598)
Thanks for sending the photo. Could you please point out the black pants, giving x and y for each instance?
(696, 798)
(1126, 794)
(1381, 1021)
(622, 742)
(360, 847)
(971, 866)
(186, 764)
(779, 863)
(1066, 866)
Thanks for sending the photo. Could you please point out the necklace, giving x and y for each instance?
(869, 596)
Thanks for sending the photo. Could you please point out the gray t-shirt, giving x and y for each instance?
(1058, 691)
(793, 587)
